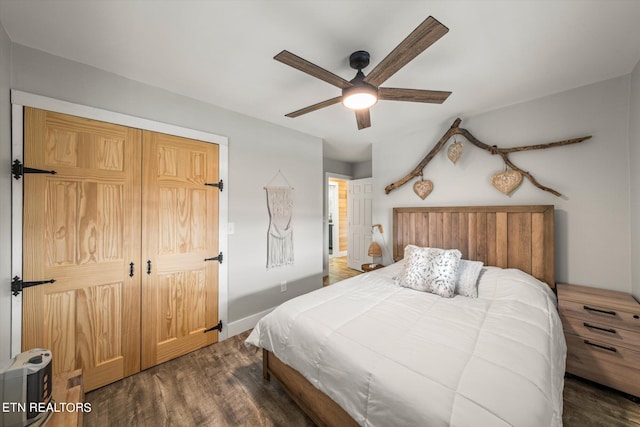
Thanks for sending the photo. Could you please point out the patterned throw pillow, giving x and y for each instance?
(430, 270)
(467, 278)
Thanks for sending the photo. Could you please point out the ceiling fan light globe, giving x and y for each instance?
(358, 97)
(358, 101)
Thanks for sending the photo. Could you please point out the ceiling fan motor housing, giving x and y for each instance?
(359, 60)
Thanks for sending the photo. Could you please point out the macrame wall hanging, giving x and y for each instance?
(280, 233)
(506, 181)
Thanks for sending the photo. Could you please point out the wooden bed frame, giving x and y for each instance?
(503, 236)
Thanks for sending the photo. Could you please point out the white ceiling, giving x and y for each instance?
(496, 53)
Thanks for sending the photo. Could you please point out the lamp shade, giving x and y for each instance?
(375, 250)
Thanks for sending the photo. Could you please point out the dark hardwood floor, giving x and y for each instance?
(590, 404)
(222, 385)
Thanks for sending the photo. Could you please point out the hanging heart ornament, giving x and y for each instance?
(423, 188)
(455, 151)
(506, 181)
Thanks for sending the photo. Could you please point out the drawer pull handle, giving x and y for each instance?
(610, 330)
(611, 313)
(604, 347)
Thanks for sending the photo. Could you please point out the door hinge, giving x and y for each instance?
(218, 327)
(18, 170)
(218, 184)
(17, 285)
(215, 258)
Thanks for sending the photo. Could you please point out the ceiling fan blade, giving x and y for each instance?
(315, 107)
(305, 66)
(363, 118)
(412, 95)
(421, 38)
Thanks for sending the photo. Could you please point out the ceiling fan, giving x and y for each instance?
(363, 91)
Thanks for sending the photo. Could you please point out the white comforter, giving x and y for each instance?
(394, 356)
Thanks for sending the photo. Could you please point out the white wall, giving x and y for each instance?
(5, 197)
(356, 170)
(362, 169)
(592, 219)
(634, 156)
(257, 150)
(337, 166)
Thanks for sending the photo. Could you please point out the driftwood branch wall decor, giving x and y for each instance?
(455, 129)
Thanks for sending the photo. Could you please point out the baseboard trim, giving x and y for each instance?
(239, 326)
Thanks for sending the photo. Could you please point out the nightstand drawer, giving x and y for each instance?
(599, 361)
(600, 314)
(601, 331)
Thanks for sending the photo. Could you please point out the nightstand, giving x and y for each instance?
(602, 330)
(371, 267)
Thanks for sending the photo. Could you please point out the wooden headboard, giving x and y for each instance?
(503, 236)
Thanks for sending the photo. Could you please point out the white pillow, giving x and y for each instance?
(467, 278)
(430, 270)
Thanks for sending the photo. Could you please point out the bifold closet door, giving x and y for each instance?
(82, 228)
(180, 232)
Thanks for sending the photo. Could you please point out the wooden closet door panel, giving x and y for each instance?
(180, 230)
(82, 228)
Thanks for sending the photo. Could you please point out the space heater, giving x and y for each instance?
(25, 385)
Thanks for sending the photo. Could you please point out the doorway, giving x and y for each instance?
(337, 217)
(331, 255)
(347, 226)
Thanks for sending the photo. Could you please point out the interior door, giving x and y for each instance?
(360, 214)
(81, 228)
(180, 232)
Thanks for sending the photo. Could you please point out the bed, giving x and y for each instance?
(366, 351)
